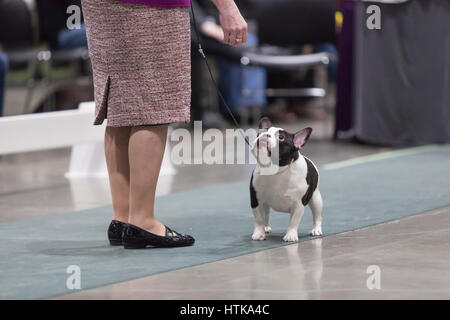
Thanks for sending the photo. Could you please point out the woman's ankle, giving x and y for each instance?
(149, 224)
(120, 217)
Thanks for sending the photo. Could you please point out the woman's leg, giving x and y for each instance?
(146, 150)
(116, 152)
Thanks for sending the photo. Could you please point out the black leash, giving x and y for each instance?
(202, 53)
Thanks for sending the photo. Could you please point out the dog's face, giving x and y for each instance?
(276, 145)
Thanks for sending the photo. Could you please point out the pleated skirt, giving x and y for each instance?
(141, 62)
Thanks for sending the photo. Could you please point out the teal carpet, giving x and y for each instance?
(35, 253)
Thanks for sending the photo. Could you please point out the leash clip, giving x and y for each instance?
(201, 51)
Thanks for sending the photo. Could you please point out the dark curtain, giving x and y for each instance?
(402, 74)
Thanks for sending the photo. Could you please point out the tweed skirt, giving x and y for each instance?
(141, 62)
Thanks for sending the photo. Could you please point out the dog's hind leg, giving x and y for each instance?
(316, 205)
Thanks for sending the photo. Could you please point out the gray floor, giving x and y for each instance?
(412, 253)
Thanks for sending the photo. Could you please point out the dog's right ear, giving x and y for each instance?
(301, 137)
(265, 123)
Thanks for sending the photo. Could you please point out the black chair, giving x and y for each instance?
(286, 26)
(16, 25)
(292, 23)
(18, 41)
(51, 18)
(283, 27)
(46, 11)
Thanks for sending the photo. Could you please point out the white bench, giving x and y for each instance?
(33, 132)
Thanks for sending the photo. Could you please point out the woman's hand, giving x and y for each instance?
(233, 24)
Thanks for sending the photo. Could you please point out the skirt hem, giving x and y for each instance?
(139, 119)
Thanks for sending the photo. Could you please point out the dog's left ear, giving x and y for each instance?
(301, 137)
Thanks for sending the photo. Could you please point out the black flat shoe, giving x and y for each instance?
(115, 232)
(137, 238)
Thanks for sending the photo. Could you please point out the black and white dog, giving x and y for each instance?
(292, 186)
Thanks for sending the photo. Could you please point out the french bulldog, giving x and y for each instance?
(292, 186)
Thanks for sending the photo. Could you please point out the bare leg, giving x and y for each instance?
(146, 150)
(116, 153)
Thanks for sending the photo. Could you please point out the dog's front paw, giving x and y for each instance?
(268, 229)
(259, 235)
(291, 236)
(316, 231)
